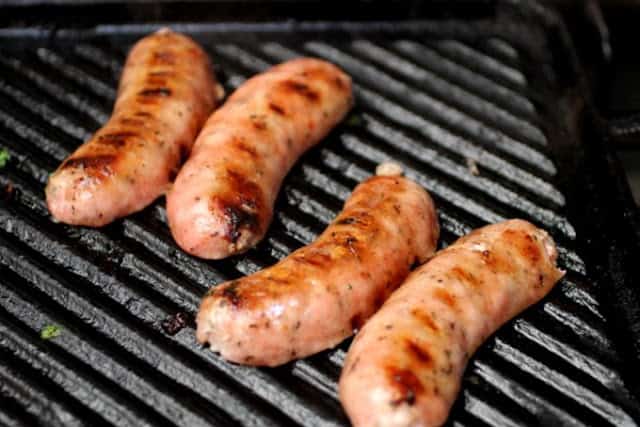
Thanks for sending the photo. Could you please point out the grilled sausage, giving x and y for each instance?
(222, 201)
(404, 368)
(166, 93)
(317, 296)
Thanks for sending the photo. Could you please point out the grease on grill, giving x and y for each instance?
(178, 321)
(243, 147)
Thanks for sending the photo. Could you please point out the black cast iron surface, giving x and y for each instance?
(471, 111)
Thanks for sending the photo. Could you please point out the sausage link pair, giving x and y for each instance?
(317, 296)
(222, 201)
(404, 368)
(166, 93)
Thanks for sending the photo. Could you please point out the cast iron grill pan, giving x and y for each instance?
(469, 118)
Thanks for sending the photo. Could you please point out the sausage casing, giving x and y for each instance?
(222, 200)
(405, 366)
(166, 92)
(317, 296)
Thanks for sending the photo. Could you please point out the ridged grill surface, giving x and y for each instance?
(441, 107)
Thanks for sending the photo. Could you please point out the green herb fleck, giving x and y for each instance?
(349, 286)
(354, 120)
(4, 157)
(50, 331)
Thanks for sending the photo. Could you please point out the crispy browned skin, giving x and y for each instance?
(166, 93)
(404, 368)
(317, 296)
(222, 201)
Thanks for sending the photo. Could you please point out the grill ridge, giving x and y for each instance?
(482, 62)
(111, 288)
(428, 58)
(439, 87)
(378, 79)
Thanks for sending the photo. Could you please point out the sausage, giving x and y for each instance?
(318, 295)
(166, 92)
(405, 366)
(222, 200)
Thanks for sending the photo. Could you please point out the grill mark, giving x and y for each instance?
(465, 276)
(163, 57)
(445, 296)
(301, 89)
(142, 114)
(176, 322)
(161, 74)
(132, 122)
(418, 353)
(351, 244)
(248, 149)
(230, 293)
(406, 385)
(161, 91)
(237, 220)
(425, 319)
(156, 81)
(496, 263)
(278, 280)
(116, 139)
(317, 259)
(526, 245)
(100, 163)
(258, 122)
(241, 208)
(347, 221)
(277, 109)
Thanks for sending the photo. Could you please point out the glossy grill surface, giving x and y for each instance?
(468, 114)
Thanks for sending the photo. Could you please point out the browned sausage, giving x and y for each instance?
(222, 201)
(404, 368)
(317, 296)
(166, 93)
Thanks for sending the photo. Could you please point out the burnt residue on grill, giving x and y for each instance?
(178, 321)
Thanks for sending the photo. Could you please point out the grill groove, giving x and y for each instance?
(430, 104)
